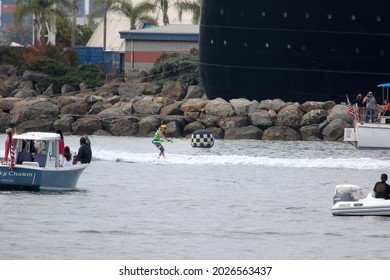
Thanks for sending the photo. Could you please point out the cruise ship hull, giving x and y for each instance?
(294, 50)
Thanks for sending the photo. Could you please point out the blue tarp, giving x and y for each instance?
(387, 85)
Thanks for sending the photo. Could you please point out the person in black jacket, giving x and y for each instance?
(382, 189)
(84, 155)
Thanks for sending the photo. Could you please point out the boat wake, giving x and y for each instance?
(151, 158)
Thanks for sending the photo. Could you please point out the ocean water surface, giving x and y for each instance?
(241, 199)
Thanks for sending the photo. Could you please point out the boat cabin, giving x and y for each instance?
(38, 149)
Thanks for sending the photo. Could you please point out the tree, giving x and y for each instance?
(134, 12)
(189, 6)
(164, 6)
(43, 11)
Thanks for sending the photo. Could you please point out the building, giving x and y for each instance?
(144, 46)
(7, 8)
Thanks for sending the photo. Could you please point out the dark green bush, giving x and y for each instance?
(89, 74)
(46, 65)
(182, 68)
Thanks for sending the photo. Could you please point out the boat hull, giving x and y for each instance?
(296, 51)
(37, 178)
(369, 135)
(374, 207)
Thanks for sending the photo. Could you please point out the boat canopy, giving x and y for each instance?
(386, 85)
(385, 90)
(45, 136)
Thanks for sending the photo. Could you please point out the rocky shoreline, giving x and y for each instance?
(136, 108)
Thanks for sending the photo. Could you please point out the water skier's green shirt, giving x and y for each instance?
(157, 136)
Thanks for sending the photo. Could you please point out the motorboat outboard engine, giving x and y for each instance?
(347, 193)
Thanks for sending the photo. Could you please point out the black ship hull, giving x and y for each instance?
(294, 50)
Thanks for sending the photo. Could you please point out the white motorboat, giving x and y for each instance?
(349, 201)
(33, 170)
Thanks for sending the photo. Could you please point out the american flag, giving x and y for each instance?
(350, 108)
(12, 156)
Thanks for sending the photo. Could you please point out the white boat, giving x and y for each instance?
(371, 135)
(30, 170)
(350, 201)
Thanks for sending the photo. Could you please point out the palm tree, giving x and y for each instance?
(189, 6)
(134, 12)
(164, 6)
(100, 10)
(43, 11)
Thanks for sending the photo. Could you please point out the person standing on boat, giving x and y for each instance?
(84, 154)
(360, 105)
(87, 140)
(8, 142)
(382, 189)
(158, 135)
(61, 142)
(370, 107)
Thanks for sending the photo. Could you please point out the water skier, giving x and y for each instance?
(157, 139)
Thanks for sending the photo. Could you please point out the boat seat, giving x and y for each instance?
(23, 156)
(41, 159)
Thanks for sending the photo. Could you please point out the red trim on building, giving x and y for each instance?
(9, 9)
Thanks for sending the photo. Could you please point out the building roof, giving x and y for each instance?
(117, 22)
(174, 32)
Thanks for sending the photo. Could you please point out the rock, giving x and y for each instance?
(290, 116)
(246, 132)
(281, 133)
(193, 105)
(172, 109)
(219, 107)
(146, 106)
(42, 125)
(314, 116)
(311, 133)
(86, 125)
(148, 126)
(261, 119)
(334, 131)
(80, 108)
(194, 92)
(191, 127)
(230, 122)
(131, 90)
(121, 126)
(172, 90)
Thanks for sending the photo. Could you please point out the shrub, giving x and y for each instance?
(175, 67)
(88, 74)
